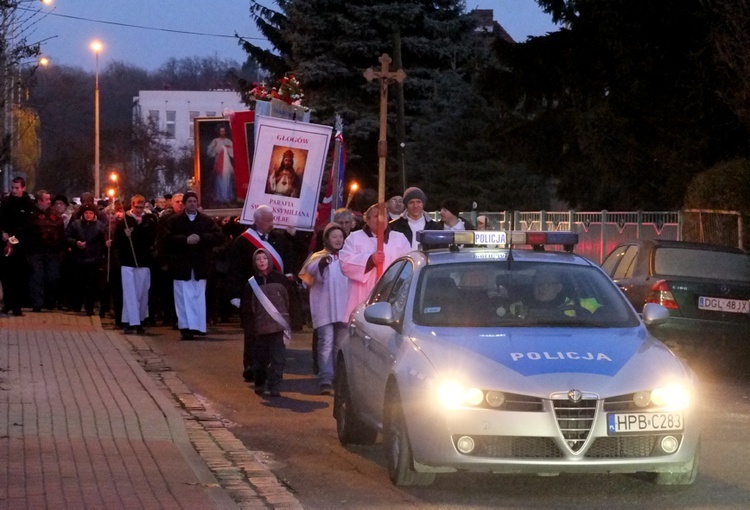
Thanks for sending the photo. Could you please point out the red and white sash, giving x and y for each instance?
(252, 235)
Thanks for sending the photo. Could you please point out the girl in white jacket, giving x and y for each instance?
(329, 293)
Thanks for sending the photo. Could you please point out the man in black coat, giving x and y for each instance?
(15, 219)
(189, 239)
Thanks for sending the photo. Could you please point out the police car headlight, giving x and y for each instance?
(495, 398)
(642, 398)
(671, 397)
(453, 394)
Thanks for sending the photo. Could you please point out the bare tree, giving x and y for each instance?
(17, 22)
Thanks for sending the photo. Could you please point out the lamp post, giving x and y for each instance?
(96, 46)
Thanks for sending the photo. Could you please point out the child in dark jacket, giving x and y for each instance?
(265, 321)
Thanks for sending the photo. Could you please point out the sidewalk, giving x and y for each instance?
(82, 425)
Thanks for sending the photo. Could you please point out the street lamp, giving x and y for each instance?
(96, 47)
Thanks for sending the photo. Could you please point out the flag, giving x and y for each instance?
(335, 179)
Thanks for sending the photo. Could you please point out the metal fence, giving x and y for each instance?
(600, 232)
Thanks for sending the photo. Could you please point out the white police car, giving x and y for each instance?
(512, 360)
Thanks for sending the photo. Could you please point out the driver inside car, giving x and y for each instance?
(551, 297)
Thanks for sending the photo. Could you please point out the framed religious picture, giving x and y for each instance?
(243, 127)
(214, 163)
(286, 171)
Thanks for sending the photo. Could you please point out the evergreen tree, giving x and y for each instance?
(621, 105)
(328, 45)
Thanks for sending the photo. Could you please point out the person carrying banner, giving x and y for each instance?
(265, 319)
(134, 240)
(188, 239)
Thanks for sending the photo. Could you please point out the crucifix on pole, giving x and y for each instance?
(386, 77)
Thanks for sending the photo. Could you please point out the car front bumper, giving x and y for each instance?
(532, 442)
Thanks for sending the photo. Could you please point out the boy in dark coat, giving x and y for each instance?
(265, 321)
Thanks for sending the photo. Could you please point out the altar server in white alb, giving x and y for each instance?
(134, 238)
(359, 256)
(329, 295)
(188, 239)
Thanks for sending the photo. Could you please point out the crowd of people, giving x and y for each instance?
(166, 261)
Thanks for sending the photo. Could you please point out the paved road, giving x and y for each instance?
(83, 425)
(295, 437)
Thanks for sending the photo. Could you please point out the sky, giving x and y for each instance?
(69, 26)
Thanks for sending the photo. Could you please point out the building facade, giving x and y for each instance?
(174, 111)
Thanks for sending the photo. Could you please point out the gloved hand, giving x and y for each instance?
(324, 262)
(235, 302)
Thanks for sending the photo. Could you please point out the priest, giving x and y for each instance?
(189, 238)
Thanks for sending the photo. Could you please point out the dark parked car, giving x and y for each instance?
(705, 287)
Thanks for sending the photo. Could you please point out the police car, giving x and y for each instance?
(482, 356)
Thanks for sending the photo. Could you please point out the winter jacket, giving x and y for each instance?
(94, 234)
(143, 238)
(183, 259)
(255, 319)
(46, 232)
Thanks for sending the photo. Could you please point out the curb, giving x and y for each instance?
(247, 480)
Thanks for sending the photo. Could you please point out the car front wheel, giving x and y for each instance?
(350, 429)
(398, 450)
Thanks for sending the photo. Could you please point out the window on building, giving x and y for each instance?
(210, 114)
(171, 126)
(153, 116)
(191, 127)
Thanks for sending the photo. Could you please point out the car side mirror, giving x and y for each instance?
(380, 313)
(654, 314)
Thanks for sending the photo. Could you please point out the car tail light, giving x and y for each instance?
(661, 294)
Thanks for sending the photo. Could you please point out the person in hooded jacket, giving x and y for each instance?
(329, 295)
(264, 311)
(88, 241)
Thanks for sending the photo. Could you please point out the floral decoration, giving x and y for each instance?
(289, 90)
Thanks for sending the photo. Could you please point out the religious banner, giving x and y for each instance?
(286, 171)
(214, 163)
(243, 127)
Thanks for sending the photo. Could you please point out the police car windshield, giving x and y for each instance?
(526, 294)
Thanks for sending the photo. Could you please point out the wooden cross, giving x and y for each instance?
(386, 77)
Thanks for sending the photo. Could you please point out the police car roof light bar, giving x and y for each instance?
(442, 238)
